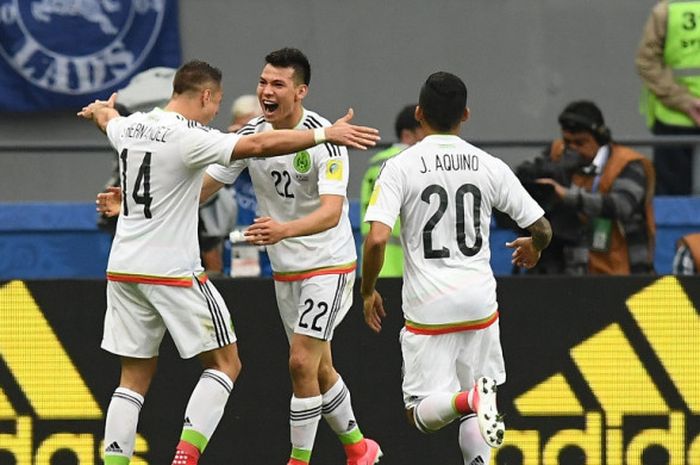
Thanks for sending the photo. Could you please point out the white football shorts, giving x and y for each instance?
(138, 315)
(449, 362)
(314, 306)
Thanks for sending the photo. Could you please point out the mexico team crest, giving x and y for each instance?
(302, 162)
(81, 47)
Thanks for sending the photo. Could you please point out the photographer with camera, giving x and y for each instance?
(608, 187)
(559, 165)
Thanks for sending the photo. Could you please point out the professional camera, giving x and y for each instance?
(565, 221)
(545, 167)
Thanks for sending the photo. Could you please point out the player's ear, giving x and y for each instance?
(301, 91)
(418, 114)
(465, 114)
(205, 96)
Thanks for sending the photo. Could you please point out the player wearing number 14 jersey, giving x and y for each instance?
(444, 191)
(162, 159)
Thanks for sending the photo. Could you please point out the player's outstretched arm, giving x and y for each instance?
(284, 141)
(100, 112)
(344, 133)
(527, 250)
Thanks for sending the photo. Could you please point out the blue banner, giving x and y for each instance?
(62, 54)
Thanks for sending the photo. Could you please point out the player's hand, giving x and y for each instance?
(265, 231)
(109, 202)
(88, 112)
(344, 133)
(374, 311)
(525, 255)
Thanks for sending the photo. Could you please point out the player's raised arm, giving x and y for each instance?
(285, 141)
(100, 112)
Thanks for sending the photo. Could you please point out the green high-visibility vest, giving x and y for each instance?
(393, 255)
(682, 55)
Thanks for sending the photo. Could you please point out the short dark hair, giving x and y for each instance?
(406, 119)
(585, 116)
(443, 99)
(582, 115)
(195, 74)
(291, 58)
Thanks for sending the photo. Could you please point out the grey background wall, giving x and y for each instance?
(522, 60)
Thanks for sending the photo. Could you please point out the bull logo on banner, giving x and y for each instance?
(94, 11)
(80, 47)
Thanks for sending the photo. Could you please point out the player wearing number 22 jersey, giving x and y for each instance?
(304, 224)
(289, 187)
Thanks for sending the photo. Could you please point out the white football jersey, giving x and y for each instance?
(289, 187)
(444, 190)
(162, 157)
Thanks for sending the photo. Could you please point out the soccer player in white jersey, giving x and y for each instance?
(444, 190)
(305, 226)
(155, 278)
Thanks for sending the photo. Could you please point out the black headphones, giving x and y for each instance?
(576, 122)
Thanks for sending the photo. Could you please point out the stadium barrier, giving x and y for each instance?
(601, 371)
(61, 240)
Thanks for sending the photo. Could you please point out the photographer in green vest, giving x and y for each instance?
(668, 61)
(408, 132)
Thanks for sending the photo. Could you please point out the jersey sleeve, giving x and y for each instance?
(333, 169)
(514, 200)
(385, 201)
(226, 174)
(114, 129)
(204, 146)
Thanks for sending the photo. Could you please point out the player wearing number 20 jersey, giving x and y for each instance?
(162, 157)
(445, 190)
